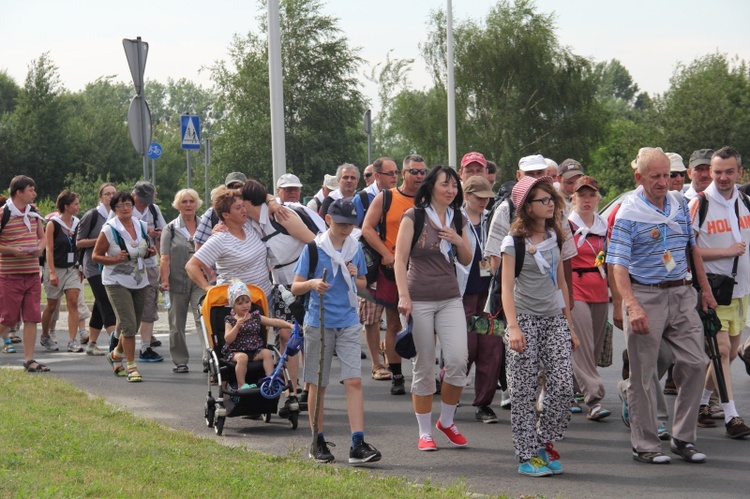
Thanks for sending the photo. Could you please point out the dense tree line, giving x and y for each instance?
(518, 92)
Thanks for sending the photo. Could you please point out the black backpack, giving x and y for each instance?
(372, 257)
(419, 215)
(299, 305)
(304, 216)
(6, 216)
(502, 194)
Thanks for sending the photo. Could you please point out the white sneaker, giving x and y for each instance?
(83, 337)
(74, 346)
(505, 399)
(49, 344)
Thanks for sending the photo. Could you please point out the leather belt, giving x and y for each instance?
(665, 284)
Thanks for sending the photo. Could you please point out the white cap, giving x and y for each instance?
(532, 163)
(288, 180)
(675, 162)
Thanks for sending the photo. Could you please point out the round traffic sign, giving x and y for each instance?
(154, 151)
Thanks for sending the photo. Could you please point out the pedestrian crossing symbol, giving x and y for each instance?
(191, 132)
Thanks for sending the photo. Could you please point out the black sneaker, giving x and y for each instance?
(687, 451)
(486, 415)
(320, 454)
(303, 400)
(148, 355)
(398, 385)
(364, 453)
(291, 404)
(155, 343)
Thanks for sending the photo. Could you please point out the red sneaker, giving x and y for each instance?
(453, 434)
(426, 443)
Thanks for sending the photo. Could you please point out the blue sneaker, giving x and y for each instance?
(661, 429)
(534, 467)
(551, 458)
(148, 355)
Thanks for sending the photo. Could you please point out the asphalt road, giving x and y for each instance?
(596, 455)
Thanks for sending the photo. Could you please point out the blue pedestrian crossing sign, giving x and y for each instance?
(191, 132)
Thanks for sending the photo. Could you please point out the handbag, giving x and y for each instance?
(722, 286)
(605, 357)
(486, 324)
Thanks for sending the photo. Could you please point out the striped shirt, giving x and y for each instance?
(237, 259)
(17, 235)
(639, 246)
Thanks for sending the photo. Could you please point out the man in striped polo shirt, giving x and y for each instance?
(648, 252)
(21, 244)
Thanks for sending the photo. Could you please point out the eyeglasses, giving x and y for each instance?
(120, 206)
(676, 174)
(390, 174)
(544, 201)
(415, 171)
(368, 175)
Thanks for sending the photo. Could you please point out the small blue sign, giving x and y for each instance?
(154, 151)
(191, 132)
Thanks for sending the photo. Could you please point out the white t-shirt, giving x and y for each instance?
(717, 233)
(237, 259)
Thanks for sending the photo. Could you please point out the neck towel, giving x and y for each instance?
(537, 251)
(598, 229)
(636, 209)
(728, 206)
(445, 246)
(339, 259)
(14, 211)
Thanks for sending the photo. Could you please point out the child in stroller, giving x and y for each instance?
(243, 341)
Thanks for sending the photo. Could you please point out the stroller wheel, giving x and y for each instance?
(219, 425)
(209, 411)
(267, 417)
(293, 418)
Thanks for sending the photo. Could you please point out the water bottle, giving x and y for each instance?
(286, 295)
(165, 300)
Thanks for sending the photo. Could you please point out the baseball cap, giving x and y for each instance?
(288, 180)
(700, 157)
(473, 157)
(524, 186)
(479, 186)
(144, 191)
(569, 168)
(342, 211)
(405, 341)
(675, 162)
(586, 181)
(235, 177)
(330, 182)
(532, 163)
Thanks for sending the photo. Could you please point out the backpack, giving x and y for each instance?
(299, 305)
(703, 206)
(502, 194)
(6, 216)
(303, 215)
(419, 215)
(80, 252)
(121, 242)
(495, 299)
(365, 199)
(372, 257)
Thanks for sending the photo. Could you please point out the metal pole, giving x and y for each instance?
(144, 135)
(451, 90)
(153, 172)
(207, 163)
(276, 88)
(189, 173)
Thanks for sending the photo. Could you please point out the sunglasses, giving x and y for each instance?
(368, 175)
(415, 171)
(676, 174)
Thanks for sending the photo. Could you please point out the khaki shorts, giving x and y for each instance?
(733, 316)
(69, 278)
(151, 296)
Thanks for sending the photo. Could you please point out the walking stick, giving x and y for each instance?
(318, 394)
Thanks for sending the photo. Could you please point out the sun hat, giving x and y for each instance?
(479, 186)
(330, 182)
(675, 162)
(532, 163)
(235, 290)
(524, 186)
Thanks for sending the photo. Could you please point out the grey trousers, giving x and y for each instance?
(181, 304)
(672, 316)
(589, 322)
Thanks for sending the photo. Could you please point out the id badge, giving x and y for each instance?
(560, 298)
(140, 263)
(601, 271)
(71, 257)
(668, 261)
(485, 270)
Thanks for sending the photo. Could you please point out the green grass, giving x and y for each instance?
(57, 441)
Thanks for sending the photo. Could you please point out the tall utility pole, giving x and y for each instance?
(276, 86)
(451, 91)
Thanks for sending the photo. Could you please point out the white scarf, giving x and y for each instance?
(134, 250)
(14, 211)
(338, 259)
(598, 229)
(445, 246)
(545, 245)
(635, 209)
(103, 210)
(71, 229)
(728, 205)
(179, 225)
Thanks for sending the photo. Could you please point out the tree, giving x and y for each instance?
(706, 105)
(323, 105)
(8, 93)
(518, 91)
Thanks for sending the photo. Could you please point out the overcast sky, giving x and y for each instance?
(84, 38)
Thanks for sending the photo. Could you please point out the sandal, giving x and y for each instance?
(597, 413)
(116, 362)
(9, 348)
(134, 376)
(38, 368)
(379, 373)
(180, 369)
(120, 372)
